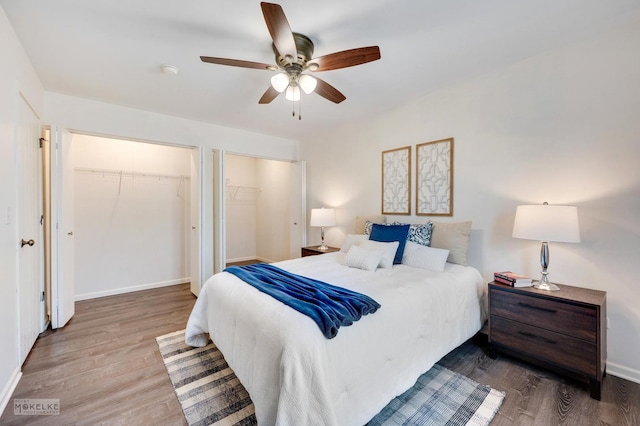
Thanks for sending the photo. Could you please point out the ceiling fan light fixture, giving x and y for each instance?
(292, 93)
(312, 66)
(307, 83)
(280, 81)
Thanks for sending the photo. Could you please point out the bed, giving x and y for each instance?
(295, 375)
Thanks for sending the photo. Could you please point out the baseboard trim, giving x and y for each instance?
(241, 259)
(623, 372)
(244, 259)
(130, 289)
(9, 388)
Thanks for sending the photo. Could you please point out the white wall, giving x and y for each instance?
(561, 127)
(88, 116)
(17, 78)
(131, 233)
(241, 207)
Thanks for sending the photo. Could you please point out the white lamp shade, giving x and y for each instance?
(280, 81)
(545, 222)
(323, 217)
(307, 83)
(292, 93)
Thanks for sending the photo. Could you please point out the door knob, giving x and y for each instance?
(27, 243)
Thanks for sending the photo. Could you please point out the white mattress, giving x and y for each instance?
(295, 376)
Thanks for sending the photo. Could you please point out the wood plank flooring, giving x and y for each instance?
(105, 368)
(535, 396)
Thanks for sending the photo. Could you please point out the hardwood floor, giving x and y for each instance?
(105, 368)
(535, 396)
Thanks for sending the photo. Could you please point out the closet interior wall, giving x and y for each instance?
(132, 215)
(257, 199)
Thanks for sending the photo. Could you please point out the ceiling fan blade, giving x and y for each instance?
(269, 95)
(329, 92)
(238, 63)
(346, 58)
(280, 31)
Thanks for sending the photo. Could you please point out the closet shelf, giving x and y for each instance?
(123, 173)
(251, 192)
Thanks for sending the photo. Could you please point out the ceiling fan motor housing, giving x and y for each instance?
(304, 46)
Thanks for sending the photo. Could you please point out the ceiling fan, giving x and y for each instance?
(294, 56)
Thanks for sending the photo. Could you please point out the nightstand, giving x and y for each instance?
(561, 330)
(313, 250)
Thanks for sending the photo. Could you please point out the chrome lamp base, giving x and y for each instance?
(544, 283)
(322, 246)
(545, 286)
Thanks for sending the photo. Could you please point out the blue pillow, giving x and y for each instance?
(389, 234)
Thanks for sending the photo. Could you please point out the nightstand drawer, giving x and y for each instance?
(566, 318)
(573, 354)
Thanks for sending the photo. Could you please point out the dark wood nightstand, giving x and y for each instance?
(313, 250)
(561, 330)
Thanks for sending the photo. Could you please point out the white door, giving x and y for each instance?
(194, 233)
(216, 236)
(30, 237)
(62, 239)
(298, 197)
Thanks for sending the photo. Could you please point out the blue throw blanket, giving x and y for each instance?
(329, 306)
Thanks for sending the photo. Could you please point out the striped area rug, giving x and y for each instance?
(210, 393)
(208, 390)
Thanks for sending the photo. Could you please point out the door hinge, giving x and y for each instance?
(41, 219)
(42, 297)
(41, 140)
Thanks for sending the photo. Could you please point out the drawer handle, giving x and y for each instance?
(526, 305)
(533, 336)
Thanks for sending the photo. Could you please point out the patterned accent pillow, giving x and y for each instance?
(367, 227)
(419, 233)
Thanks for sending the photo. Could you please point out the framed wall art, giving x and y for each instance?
(396, 181)
(434, 178)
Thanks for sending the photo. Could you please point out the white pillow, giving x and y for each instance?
(352, 239)
(358, 257)
(423, 257)
(388, 251)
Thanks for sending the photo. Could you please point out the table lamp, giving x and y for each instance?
(546, 223)
(322, 217)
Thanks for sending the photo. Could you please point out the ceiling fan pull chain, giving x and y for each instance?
(300, 109)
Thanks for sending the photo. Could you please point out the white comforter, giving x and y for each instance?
(295, 376)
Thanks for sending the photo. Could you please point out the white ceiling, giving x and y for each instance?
(112, 51)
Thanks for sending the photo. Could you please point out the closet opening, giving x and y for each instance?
(128, 216)
(264, 205)
(131, 215)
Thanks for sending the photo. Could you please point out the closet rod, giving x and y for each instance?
(121, 173)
